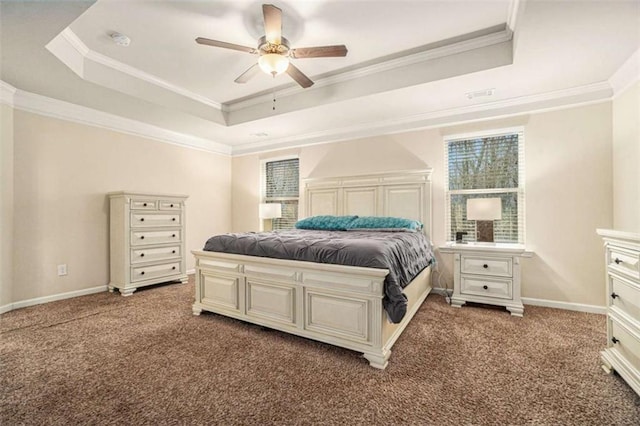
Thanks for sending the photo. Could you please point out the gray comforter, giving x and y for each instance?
(404, 254)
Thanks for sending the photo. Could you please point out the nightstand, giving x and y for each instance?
(487, 273)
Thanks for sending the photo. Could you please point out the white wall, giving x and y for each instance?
(568, 190)
(6, 205)
(62, 172)
(626, 160)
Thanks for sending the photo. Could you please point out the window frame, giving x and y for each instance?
(519, 191)
(263, 184)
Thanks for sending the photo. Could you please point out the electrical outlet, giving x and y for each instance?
(62, 269)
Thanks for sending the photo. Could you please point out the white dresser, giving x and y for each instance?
(622, 259)
(147, 234)
(487, 273)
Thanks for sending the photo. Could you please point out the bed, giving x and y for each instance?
(336, 304)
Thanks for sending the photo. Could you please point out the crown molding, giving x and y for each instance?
(560, 99)
(479, 42)
(74, 42)
(42, 105)
(626, 75)
(512, 14)
(7, 93)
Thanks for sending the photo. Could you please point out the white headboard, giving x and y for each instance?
(401, 194)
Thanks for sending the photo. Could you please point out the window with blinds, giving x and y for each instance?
(281, 185)
(486, 166)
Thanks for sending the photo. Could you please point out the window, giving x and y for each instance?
(486, 166)
(281, 185)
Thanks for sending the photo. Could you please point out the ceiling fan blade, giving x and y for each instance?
(299, 76)
(319, 51)
(248, 74)
(272, 23)
(224, 44)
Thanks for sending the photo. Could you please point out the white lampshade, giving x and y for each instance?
(484, 209)
(270, 211)
(273, 63)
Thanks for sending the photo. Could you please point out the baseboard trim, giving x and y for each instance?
(191, 271)
(569, 306)
(52, 298)
(594, 309)
(441, 291)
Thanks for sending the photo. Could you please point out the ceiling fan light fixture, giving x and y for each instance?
(273, 63)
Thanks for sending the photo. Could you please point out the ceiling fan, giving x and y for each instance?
(275, 52)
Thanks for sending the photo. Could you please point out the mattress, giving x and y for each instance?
(404, 254)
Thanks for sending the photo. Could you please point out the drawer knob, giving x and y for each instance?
(173, 251)
(485, 287)
(171, 205)
(142, 237)
(614, 340)
(141, 254)
(173, 219)
(618, 261)
(173, 267)
(144, 205)
(142, 219)
(173, 235)
(614, 295)
(485, 266)
(142, 273)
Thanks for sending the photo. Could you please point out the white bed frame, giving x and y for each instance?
(340, 305)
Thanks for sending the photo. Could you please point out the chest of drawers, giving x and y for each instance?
(147, 233)
(488, 274)
(622, 260)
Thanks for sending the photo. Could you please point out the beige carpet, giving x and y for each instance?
(145, 359)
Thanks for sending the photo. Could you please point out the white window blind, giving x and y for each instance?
(486, 166)
(281, 185)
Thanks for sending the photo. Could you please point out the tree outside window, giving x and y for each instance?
(486, 166)
(281, 185)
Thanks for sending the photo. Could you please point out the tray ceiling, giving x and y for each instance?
(408, 62)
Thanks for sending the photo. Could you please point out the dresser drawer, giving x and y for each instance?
(139, 238)
(141, 273)
(149, 220)
(495, 266)
(624, 261)
(154, 254)
(144, 205)
(488, 287)
(627, 341)
(170, 205)
(625, 296)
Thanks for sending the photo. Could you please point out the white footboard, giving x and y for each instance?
(340, 305)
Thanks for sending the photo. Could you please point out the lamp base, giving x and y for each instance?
(485, 231)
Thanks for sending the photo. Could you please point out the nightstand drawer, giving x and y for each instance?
(624, 261)
(625, 296)
(487, 287)
(494, 266)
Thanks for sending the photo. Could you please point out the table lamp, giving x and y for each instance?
(484, 211)
(269, 211)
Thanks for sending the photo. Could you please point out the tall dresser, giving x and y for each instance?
(147, 234)
(622, 258)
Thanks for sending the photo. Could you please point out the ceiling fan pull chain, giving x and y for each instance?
(274, 92)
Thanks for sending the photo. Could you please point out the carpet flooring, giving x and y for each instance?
(104, 359)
